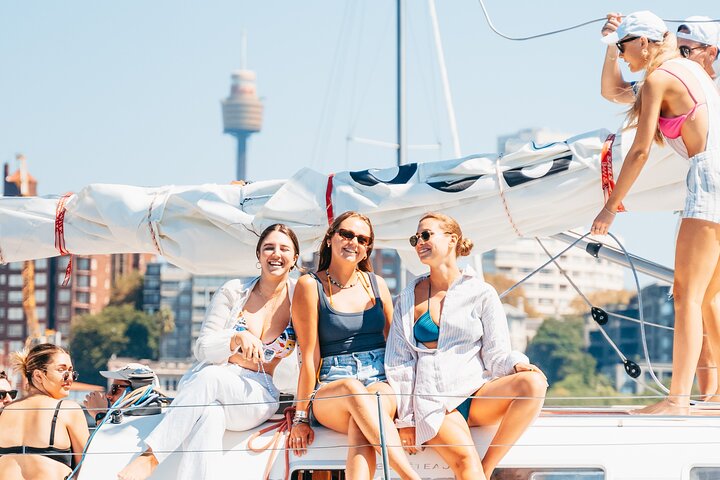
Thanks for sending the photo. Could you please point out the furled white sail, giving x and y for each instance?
(213, 228)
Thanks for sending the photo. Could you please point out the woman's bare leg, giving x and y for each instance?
(696, 258)
(455, 445)
(335, 413)
(361, 455)
(711, 318)
(513, 401)
(706, 372)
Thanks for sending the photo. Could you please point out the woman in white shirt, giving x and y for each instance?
(449, 341)
(246, 332)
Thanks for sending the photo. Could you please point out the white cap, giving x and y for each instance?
(706, 31)
(639, 24)
(132, 372)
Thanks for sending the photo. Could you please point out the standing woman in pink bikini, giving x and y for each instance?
(677, 103)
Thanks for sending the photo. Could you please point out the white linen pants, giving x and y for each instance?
(207, 404)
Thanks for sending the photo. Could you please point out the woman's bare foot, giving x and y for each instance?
(664, 407)
(140, 468)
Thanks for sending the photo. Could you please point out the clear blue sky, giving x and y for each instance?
(129, 92)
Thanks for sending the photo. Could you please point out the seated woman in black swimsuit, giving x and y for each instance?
(42, 436)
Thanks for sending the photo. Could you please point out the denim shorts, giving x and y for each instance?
(703, 187)
(367, 367)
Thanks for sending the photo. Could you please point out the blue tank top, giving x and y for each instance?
(341, 333)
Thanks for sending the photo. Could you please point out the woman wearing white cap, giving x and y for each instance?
(697, 40)
(677, 103)
(246, 332)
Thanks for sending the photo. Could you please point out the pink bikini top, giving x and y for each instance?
(671, 127)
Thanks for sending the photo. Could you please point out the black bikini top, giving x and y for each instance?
(62, 455)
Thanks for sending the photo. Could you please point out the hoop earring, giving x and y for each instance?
(645, 53)
(257, 265)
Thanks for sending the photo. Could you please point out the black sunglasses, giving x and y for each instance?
(621, 44)
(349, 235)
(115, 388)
(67, 374)
(424, 236)
(685, 51)
(12, 393)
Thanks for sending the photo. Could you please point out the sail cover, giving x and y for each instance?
(213, 229)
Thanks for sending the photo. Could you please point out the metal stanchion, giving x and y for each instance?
(383, 447)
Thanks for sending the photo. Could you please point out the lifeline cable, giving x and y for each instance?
(567, 29)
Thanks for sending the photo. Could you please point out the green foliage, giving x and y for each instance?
(558, 349)
(128, 289)
(117, 330)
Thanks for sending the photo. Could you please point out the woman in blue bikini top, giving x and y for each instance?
(448, 340)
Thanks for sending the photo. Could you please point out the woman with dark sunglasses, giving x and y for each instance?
(342, 314)
(678, 104)
(450, 325)
(246, 333)
(697, 40)
(7, 394)
(43, 435)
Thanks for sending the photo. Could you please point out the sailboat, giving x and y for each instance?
(536, 191)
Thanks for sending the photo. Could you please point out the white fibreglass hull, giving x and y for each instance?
(600, 444)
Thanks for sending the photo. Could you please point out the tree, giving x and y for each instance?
(601, 298)
(558, 349)
(128, 289)
(516, 298)
(117, 330)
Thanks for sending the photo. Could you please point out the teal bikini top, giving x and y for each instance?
(425, 330)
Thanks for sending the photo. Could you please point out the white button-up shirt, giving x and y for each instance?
(213, 344)
(473, 348)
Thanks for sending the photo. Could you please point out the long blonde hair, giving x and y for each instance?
(663, 51)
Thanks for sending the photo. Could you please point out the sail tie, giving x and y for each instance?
(501, 189)
(328, 199)
(60, 235)
(151, 225)
(606, 170)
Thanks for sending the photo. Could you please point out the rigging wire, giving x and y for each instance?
(566, 29)
(602, 330)
(641, 315)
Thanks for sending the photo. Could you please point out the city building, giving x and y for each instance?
(658, 309)
(184, 296)
(242, 115)
(548, 291)
(55, 306)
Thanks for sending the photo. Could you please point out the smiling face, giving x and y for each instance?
(351, 241)
(439, 244)
(276, 254)
(57, 377)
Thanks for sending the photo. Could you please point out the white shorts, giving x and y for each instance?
(703, 187)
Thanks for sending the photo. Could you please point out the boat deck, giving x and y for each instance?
(562, 444)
